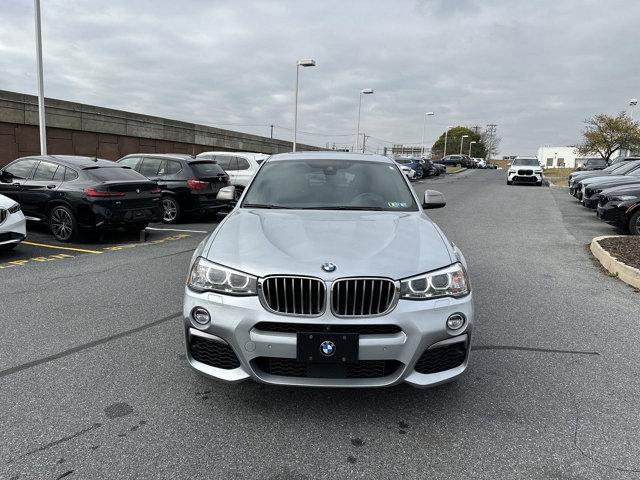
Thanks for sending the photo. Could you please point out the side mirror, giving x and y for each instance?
(433, 199)
(226, 194)
(5, 176)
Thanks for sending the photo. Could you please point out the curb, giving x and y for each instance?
(624, 272)
(462, 169)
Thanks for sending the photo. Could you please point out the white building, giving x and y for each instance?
(563, 157)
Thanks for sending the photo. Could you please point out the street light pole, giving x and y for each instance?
(366, 91)
(301, 63)
(41, 119)
(444, 154)
(424, 127)
(470, 143)
(462, 141)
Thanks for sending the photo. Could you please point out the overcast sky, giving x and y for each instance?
(536, 68)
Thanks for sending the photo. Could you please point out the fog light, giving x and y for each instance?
(456, 321)
(200, 315)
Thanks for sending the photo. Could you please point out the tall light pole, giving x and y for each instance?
(461, 142)
(444, 154)
(470, 143)
(41, 119)
(366, 91)
(424, 127)
(305, 62)
(632, 103)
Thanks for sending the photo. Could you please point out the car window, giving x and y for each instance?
(243, 163)
(45, 171)
(162, 168)
(525, 162)
(150, 167)
(131, 162)
(70, 174)
(173, 167)
(105, 174)
(627, 167)
(206, 169)
(224, 161)
(331, 184)
(21, 169)
(59, 175)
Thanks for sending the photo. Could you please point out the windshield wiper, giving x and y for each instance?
(261, 205)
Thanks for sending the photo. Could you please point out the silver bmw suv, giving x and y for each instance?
(328, 273)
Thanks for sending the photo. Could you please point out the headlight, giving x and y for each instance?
(14, 208)
(206, 276)
(447, 282)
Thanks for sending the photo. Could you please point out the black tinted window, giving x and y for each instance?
(150, 167)
(206, 169)
(130, 162)
(70, 174)
(224, 161)
(45, 171)
(105, 174)
(59, 175)
(243, 164)
(173, 167)
(21, 169)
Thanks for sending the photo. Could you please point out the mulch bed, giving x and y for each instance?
(624, 249)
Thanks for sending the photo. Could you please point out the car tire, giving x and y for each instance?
(7, 247)
(63, 224)
(509, 182)
(171, 210)
(539, 184)
(634, 223)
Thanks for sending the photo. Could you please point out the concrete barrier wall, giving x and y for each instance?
(78, 129)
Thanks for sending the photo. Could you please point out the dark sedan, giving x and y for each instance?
(189, 184)
(625, 168)
(575, 177)
(620, 207)
(593, 188)
(594, 164)
(70, 193)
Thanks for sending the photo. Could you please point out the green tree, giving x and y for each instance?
(605, 134)
(454, 136)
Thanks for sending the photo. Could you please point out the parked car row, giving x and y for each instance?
(72, 194)
(613, 192)
(418, 168)
(464, 161)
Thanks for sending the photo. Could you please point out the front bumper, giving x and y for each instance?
(13, 229)
(521, 177)
(611, 214)
(397, 356)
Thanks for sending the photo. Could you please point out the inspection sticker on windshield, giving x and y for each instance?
(397, 204)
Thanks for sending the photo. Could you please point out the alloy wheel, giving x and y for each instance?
(170, 210)
(61, 223)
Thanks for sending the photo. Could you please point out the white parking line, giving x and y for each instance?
(176, 230)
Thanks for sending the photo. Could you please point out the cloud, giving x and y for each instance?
(537, 69)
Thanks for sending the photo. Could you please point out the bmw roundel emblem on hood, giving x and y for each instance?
(328, 267)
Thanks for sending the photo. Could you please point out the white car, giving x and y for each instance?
(408, 171)
(240, 166)
(525, 170)
(481, 162)
(12, 223)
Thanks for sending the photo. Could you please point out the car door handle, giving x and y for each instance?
(51, 186)
(17, 184)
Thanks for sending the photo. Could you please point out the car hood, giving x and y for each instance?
(632, 189)
(613, 180)
(388, 244)
(577, 176)
(6, 202)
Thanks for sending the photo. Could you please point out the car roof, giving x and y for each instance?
(253, 155)
(329, 155)
(76, 161)
(174, 156)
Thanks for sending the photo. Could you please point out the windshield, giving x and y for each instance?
(627, 167)
(207, 169)
(403, 161)
(597, 161)
(330, 185)
(526, 162)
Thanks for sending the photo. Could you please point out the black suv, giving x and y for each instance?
(71, 192)
(593, 164)
(188, 184)
(454, 160)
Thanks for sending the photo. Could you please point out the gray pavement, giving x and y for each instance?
(94, 383)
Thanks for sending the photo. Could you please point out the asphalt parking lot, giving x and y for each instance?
(95, 384)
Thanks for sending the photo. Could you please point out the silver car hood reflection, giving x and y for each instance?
(360, 243)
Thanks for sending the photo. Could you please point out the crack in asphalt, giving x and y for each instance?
(531, 349)
(85, 346)
(586, 455)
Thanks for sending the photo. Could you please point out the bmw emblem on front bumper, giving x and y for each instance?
(327, 348)
(329, 267)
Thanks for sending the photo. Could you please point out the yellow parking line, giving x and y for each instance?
(61, 248)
